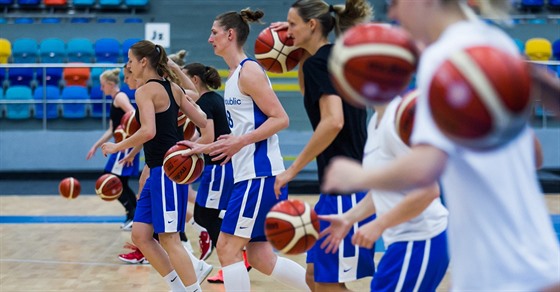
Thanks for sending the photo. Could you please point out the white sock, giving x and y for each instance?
(174, 282)
(195, 225)
(187, 245)
(194, 259)
(290, 274)
(194, 288)
(236, 277)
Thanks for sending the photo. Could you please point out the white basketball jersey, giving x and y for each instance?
(500, 232)
(383, 146)
(256, 160)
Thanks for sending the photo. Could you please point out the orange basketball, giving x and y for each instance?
(188, 129)
(372, 63)
(181, 118)
(292, 226)
(404, 117)
(182, 169)
(119, 134)
(129, 123)
(276, 52)
(479, 97)
(69, 188)
(108, 187)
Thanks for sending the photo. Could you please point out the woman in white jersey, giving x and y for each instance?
(500, 233)
(254, 115)
(413, 223)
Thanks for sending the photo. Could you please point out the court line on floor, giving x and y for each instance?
(59, 219)
(51, 262)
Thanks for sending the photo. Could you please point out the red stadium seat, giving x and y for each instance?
(76, 76)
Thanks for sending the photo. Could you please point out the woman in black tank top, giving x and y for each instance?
(162, 203)
(109, 80)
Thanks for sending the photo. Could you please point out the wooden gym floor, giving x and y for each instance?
(47, 245)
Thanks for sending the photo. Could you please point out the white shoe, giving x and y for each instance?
(202, 271)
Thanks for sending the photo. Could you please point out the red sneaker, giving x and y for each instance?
(134, 257)
(218, 279)
(205, 244)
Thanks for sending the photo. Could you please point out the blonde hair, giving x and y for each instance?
(345, 16)
(179, 57)
(111, 75)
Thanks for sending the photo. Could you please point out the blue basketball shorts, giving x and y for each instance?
(162, 203)
(216, 184)
(113, 166)
(248, 205)
(412, 265)
(350, 262)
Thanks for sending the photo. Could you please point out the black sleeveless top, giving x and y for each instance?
(115, 114)
(166, 130)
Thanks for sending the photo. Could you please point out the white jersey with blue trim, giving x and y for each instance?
(383, 145)
(500, 233)
(260, 159)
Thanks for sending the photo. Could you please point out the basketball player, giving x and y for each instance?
(202, 269)
(254, 115)
(119, 106)
(413, 223)
(216, 182)
(500, 233)
(339, 129)
(162, 204)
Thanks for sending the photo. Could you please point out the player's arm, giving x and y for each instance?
(104, 138)
(190, 108)
(123, 102)
(421, 167)
(331, 123)
(207, 133)
(184, 81)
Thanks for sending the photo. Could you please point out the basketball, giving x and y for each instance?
(292, 226)
(404, 117)
(188, 129)
(69, 188)
(119, 134)
(479, 97)
(182, 169)
(275, 51)
(129, 123)
(181, 118)
(108, 187)
(372, 63)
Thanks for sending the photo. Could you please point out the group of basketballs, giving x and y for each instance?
(479, 98)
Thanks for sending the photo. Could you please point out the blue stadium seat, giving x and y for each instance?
(18, 111)
(136, 2)
(83, 2)
(126, 45)
(79, 20)
(554, 4)
(29, 2)
(3, 20)
(107, 50)
(106, 20)
(6, 2)
(53, 76)
(80, 50)
(23, 20)
(556, 49)
(2, 106)
(97, 108)
(520, 46)
(109, 2)
(133, 20)
(3, 75)
(52, 50)
(25, 50)
(52, 93)
(21, 76)
(51, 20)
(532, 4)
(76, 109)
(95, 74)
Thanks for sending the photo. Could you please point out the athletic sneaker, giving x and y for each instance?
(205, 244)
(219, 278)
(202, 271)
(127, 225)
(134, 257)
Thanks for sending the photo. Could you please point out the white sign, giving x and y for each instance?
(158, 33)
